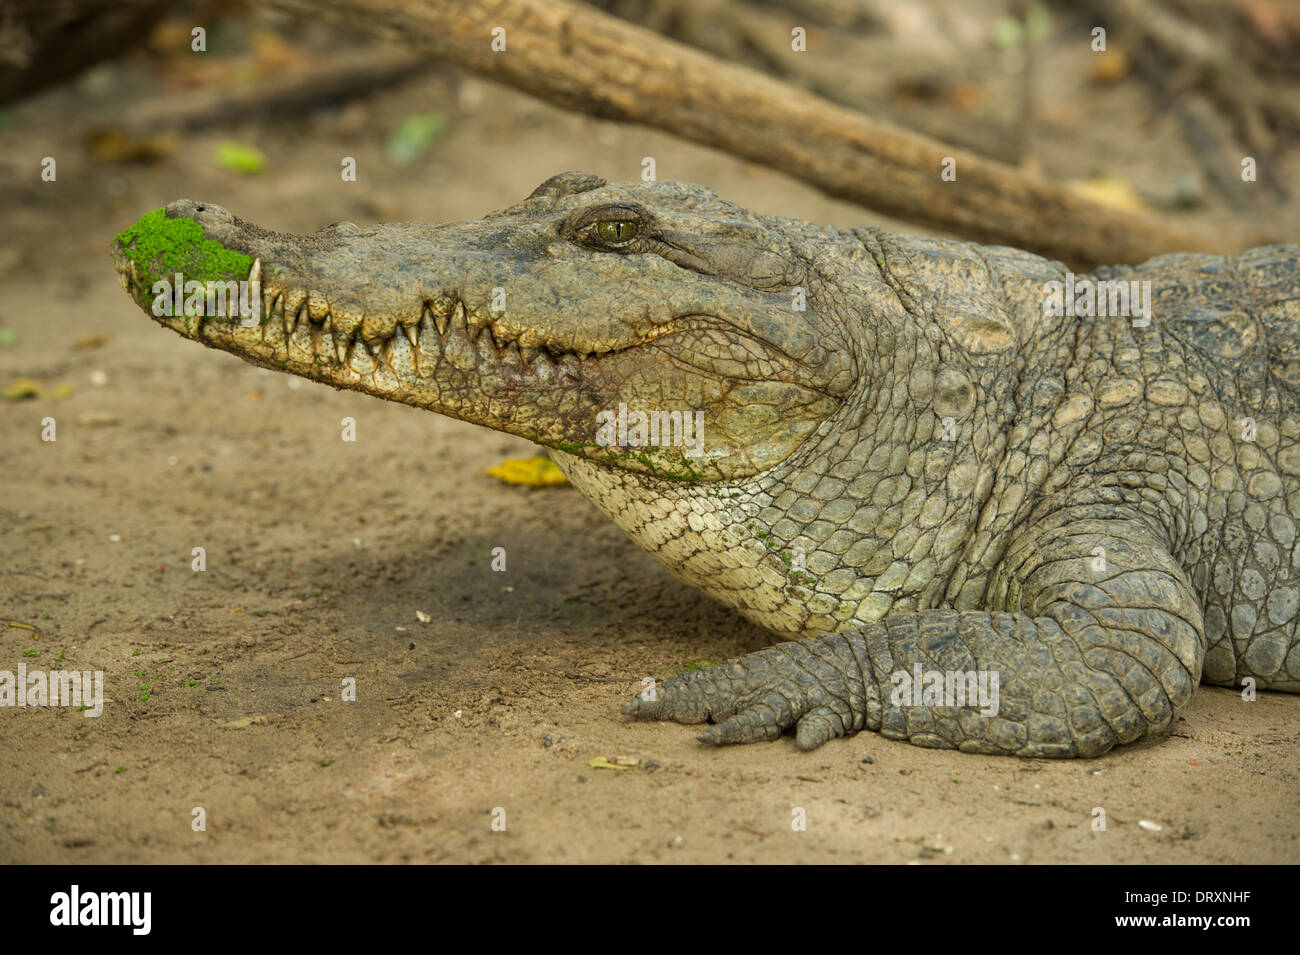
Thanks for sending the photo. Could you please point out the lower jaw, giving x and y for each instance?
(463, 381)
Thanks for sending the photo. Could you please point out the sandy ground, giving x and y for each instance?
(224, 686)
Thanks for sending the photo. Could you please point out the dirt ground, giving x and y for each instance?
(223, 686)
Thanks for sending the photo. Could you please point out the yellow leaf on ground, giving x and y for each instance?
(21, 388)
(530, 472)
(600, 762)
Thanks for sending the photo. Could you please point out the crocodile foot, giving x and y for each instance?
(815, 685)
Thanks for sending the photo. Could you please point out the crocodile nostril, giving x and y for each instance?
(199, 211)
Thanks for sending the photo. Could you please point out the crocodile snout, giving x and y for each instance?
(197, 241)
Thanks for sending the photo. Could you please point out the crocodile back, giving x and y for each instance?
(1241, 312)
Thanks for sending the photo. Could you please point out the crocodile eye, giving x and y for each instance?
(616, 230)
(612, 227)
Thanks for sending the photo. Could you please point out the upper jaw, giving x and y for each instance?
(373, 283)
(345, 286)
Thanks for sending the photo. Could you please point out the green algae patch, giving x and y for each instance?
(160, 247)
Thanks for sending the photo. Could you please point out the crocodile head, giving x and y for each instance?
(652, 328)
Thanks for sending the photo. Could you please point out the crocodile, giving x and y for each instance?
(970, 517)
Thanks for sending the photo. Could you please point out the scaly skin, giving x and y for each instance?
(1102, 515)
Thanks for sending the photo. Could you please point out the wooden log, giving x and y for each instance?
(584, 60)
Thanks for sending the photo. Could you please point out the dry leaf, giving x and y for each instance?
(530, 472)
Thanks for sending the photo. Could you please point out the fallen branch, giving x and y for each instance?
(584, 60)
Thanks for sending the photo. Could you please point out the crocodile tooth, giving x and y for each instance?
(430, 345)
(412, 333)
(295, 300)
(487, 353)
(255, 273)
(442, 318)
(401, 354)
(510, 356)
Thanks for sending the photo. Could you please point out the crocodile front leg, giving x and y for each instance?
(1102, 647)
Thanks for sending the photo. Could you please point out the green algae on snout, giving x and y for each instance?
(160, 247)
